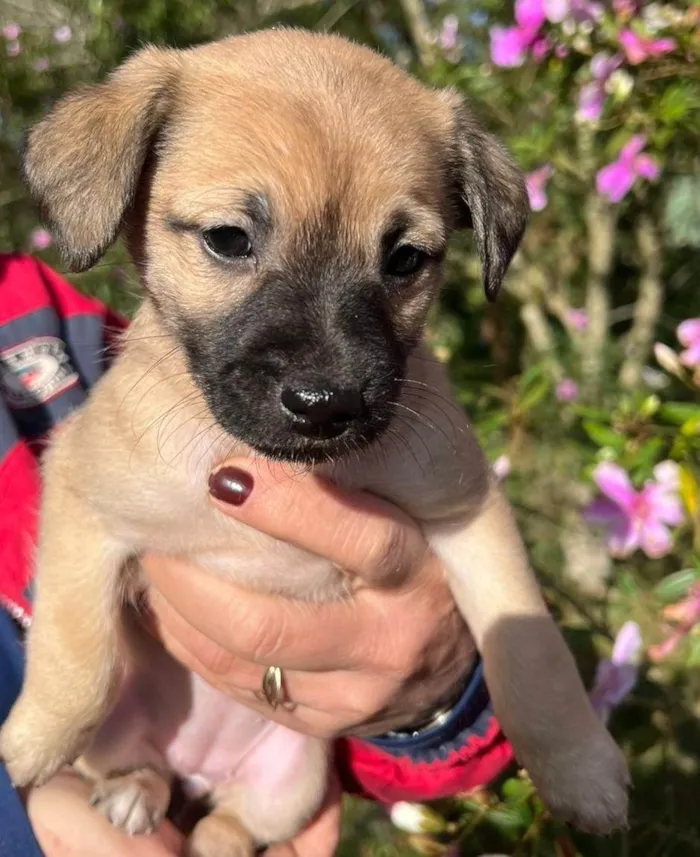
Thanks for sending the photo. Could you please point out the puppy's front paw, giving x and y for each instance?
(587, 785)
(34, 744)
(135, 803)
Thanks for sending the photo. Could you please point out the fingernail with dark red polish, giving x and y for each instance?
(230, 485)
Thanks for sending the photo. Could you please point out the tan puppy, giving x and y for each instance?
(288, 198)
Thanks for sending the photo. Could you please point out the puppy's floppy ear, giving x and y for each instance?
(83, 161)
(493, 190)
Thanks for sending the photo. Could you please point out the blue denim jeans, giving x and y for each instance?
(16, 838)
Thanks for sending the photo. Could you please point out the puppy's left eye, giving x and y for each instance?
(227, 242)
(405, 261)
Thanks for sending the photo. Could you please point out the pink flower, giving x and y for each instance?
(13, 49)
(616, 179)
(447, 39)
(685, 615)
(11, 32)
(40, 239)
(603, 65)
(536, 182)
(540, 48)
(625, 8)
(63, 34)
(501, 467)
(557, 11)
(566, 390)
(638, 49)
(529, 15)
(508, 46)
(42, 64)
(616, 677)
(637, 519)
(688, 333)
(591, 96)
(577, 319)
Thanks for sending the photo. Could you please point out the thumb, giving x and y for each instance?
(321, 836)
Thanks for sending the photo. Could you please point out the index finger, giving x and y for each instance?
(265, 629)
(353, 529)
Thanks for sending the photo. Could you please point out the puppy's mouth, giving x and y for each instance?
(307, 421)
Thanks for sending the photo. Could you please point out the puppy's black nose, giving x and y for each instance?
(322, 410)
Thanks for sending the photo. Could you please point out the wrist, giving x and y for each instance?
(458, 712)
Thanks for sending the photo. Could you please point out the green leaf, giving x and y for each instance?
(674, 103)
(682, 214)
(694, 652)
(679, 413)
(674, 586)
(691, 427)
(507, 821)
(534, 395)
(516, 789)
(647, 456)
(604, 436)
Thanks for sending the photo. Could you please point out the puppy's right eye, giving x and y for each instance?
(227, 242)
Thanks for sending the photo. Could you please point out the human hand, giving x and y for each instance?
(65, 825)
(377, 661)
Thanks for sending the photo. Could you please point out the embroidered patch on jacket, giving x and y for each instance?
(35, 371)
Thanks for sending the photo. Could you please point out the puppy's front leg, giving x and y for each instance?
(73, 640)
(535, 686)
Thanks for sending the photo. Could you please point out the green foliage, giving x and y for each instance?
(506, 368)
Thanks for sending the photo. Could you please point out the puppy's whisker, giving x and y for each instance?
(410, 426)
(147, 372)
(190, 398)
(426, 421)
(425, 402)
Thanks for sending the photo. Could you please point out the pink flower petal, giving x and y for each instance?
(662, 505)
(566, 390)
(591, 99)
(668, 474)
(612, 480)
(661, 46)
(688, 332)
(576, 318)
(615, 181)
(627, 645)
(529, 14)
(508, 47)
(691, 356)
(633, 47)
(663, 650)
(655, 539)
(556, 10)
(540, 48)
(623, 540)
(632, 148)
(535, 183)
(11, 32)
(603, 65)
(646, 167)
(621, 536)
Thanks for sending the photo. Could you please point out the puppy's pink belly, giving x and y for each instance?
(211, 746)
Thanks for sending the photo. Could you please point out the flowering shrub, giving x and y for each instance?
(583, 381)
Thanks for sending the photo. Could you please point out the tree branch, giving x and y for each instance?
(421, 34)
(648, 305)
(601, 223)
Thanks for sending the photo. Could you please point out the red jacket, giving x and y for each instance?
(54, 344)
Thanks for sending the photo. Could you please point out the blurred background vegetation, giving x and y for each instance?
(563, 377)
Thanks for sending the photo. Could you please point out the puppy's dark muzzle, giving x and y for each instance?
(322, 411)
